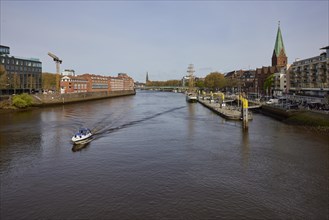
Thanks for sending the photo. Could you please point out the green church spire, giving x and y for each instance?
(279, 43)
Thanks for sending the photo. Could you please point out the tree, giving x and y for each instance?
(199, 84)
(164, 83)
(4, 80)
(48, 81)
(16, 82)
(215, 80)
(31, 82)
(268, 83)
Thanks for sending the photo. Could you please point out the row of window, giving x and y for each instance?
(4, 50)
(99, 78)
(20, 62)
(80, 86)
(20, 68)
(73, 80)
(100, 86)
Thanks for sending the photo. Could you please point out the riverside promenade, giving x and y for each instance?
(227, 112)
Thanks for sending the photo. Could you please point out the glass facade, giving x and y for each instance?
(23, 74)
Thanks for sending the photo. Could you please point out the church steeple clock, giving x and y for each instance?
(279, 57)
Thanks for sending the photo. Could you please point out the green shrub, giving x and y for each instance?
(27, 98)
(19, 102)
(22, 101)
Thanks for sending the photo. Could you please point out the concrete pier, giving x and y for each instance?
(227, 112)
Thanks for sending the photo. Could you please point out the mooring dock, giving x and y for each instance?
(227, 112)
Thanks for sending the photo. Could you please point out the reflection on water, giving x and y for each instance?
(245, 148)
(154, 156)
(81, 145)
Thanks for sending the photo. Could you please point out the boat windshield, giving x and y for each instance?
(84, 131)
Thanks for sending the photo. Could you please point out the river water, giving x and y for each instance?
(154, 156)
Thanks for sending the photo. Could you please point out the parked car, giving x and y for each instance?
(272, 101)
(292, 106)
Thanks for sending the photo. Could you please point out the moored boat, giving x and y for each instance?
(191, 97)
(81, 135)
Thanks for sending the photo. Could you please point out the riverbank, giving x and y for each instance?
(311, 120)
(317, 121)
(44, 100)
(60, 99)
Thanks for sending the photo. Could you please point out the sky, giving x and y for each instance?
(161, 37)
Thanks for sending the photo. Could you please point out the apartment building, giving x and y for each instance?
(310, 76)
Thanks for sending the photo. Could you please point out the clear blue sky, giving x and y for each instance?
(162, 37)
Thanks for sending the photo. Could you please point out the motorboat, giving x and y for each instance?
(191, 97)
(82, 135)
(77, 146)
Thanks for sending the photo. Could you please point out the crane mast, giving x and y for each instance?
(58, 62)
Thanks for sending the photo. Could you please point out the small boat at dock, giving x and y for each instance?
(82, 135)
(191, 97)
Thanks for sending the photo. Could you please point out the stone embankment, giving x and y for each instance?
(59, 99)
(313, 120)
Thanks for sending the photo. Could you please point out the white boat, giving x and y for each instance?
(191, 97)
(81, 135)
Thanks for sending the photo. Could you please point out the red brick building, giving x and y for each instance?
(96, 83)
(74, 84)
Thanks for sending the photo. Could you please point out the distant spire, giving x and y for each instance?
(147, 76)
(279, 42)
(279, 57)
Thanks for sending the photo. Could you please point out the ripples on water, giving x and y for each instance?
(154, 156)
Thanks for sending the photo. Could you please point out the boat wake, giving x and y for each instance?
(105, 127)
(110, 129)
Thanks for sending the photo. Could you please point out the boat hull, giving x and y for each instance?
(191, 98)
(81, 138)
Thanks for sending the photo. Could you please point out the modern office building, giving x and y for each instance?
(310, 76)
(20, 74)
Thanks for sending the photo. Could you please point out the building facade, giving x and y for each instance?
(73, 84)
(20, 74)
(242, 80)
(280, 86)
(96, 83)
(310, 76)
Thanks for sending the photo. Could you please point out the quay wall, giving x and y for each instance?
(318, 121)
(41, 100)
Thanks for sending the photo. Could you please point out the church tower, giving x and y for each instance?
(279, 57)
(147, 77)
